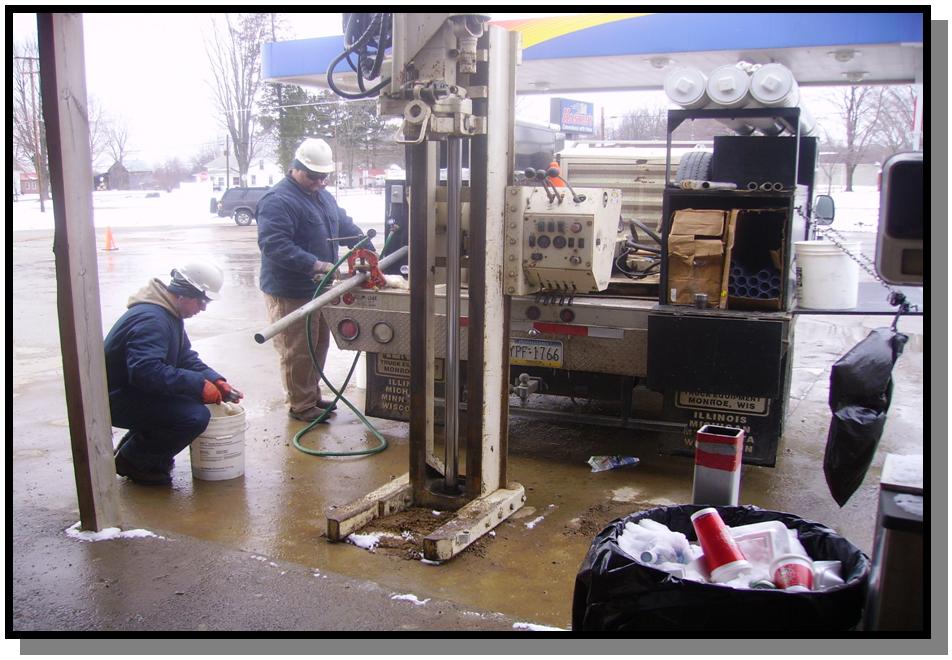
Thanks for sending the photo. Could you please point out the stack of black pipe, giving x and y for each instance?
(744, 282)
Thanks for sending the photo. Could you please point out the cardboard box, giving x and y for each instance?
(756, 240)
(696, 254)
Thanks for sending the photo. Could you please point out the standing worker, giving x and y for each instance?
(158, 386)
(299, 224)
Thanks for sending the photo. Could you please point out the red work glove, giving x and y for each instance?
(210, 393)
(228, 393)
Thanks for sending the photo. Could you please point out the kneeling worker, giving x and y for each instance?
(158, 386)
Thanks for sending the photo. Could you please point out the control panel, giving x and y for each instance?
(561, 244)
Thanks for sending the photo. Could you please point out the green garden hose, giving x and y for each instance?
(338, 394)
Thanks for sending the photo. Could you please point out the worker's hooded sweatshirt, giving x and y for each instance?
(148, 349)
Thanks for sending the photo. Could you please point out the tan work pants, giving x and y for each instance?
(301, 381)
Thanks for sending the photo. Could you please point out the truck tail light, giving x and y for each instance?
(348, 329)
(348, 298)
(567, 315)
(382, 332)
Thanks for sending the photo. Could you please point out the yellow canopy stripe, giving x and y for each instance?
(537, 30)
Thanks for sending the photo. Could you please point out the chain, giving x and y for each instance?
(896, 298)
(864, 262)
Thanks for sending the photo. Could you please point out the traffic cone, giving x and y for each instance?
(110, 243)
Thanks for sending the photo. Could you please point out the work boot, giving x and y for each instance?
(327, 405)
(308, 415)
(124, 468)
(123, 440)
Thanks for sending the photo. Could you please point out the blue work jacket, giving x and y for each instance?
(294, 228)
(148, 350)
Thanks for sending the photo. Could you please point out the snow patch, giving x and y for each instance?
(108, 534)
(410, 597)
(520, 625)
(372, 540)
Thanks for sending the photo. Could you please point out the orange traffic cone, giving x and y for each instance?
(110, 243)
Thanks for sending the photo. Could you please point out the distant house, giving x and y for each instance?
(134, 175)
(29, 184)
(371, 178)
(262, 171)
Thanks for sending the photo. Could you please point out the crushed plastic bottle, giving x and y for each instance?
(602, 463)
(654, 546)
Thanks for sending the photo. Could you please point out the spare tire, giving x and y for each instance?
(694, 166)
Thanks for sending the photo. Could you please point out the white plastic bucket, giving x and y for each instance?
(219, 452)
(827, 277)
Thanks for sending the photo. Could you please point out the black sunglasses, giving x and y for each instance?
(316, 176)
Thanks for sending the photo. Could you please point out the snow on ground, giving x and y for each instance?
(857, 210)
(188, 205)
(521, 625)
(410, 597)
(533, 523)
(109, 533)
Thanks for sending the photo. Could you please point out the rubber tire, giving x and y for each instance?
(243, 217)
(695, 165)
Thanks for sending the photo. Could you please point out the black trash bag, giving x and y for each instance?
(613, 591)
(860, 392)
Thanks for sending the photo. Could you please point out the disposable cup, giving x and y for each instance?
(792, 573)
(724, 559)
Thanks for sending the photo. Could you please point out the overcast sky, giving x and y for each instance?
(152, 71)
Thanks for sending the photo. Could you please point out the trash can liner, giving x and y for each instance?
(613, 591)
(860, 393)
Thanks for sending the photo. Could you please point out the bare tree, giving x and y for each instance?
(234, 51)
(860, 108)
(897, 120)
(206, 154)
(643, 124)
(29, 132)
(98, 128)
(117, 139)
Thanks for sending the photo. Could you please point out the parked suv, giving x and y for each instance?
(241, 204)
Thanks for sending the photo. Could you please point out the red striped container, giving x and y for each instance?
(723, 558)
(718, 454)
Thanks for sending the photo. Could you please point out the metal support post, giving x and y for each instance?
(454, 176)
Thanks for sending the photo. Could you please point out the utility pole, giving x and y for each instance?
(227, 163)
(37, 155)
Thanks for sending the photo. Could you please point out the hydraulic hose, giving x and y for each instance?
(338, 394)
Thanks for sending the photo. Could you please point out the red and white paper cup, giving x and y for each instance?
(792, 573)
(724, 559)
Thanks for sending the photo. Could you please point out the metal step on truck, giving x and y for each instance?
(624, 285)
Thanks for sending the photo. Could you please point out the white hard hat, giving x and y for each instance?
(205, 276)
(315, 155)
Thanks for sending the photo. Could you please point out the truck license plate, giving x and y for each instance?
(536, 352)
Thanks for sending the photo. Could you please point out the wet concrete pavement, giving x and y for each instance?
(243, 553)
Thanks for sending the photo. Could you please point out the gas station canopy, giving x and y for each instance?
(627, 52)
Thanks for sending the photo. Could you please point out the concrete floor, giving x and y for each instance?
(249, 553)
